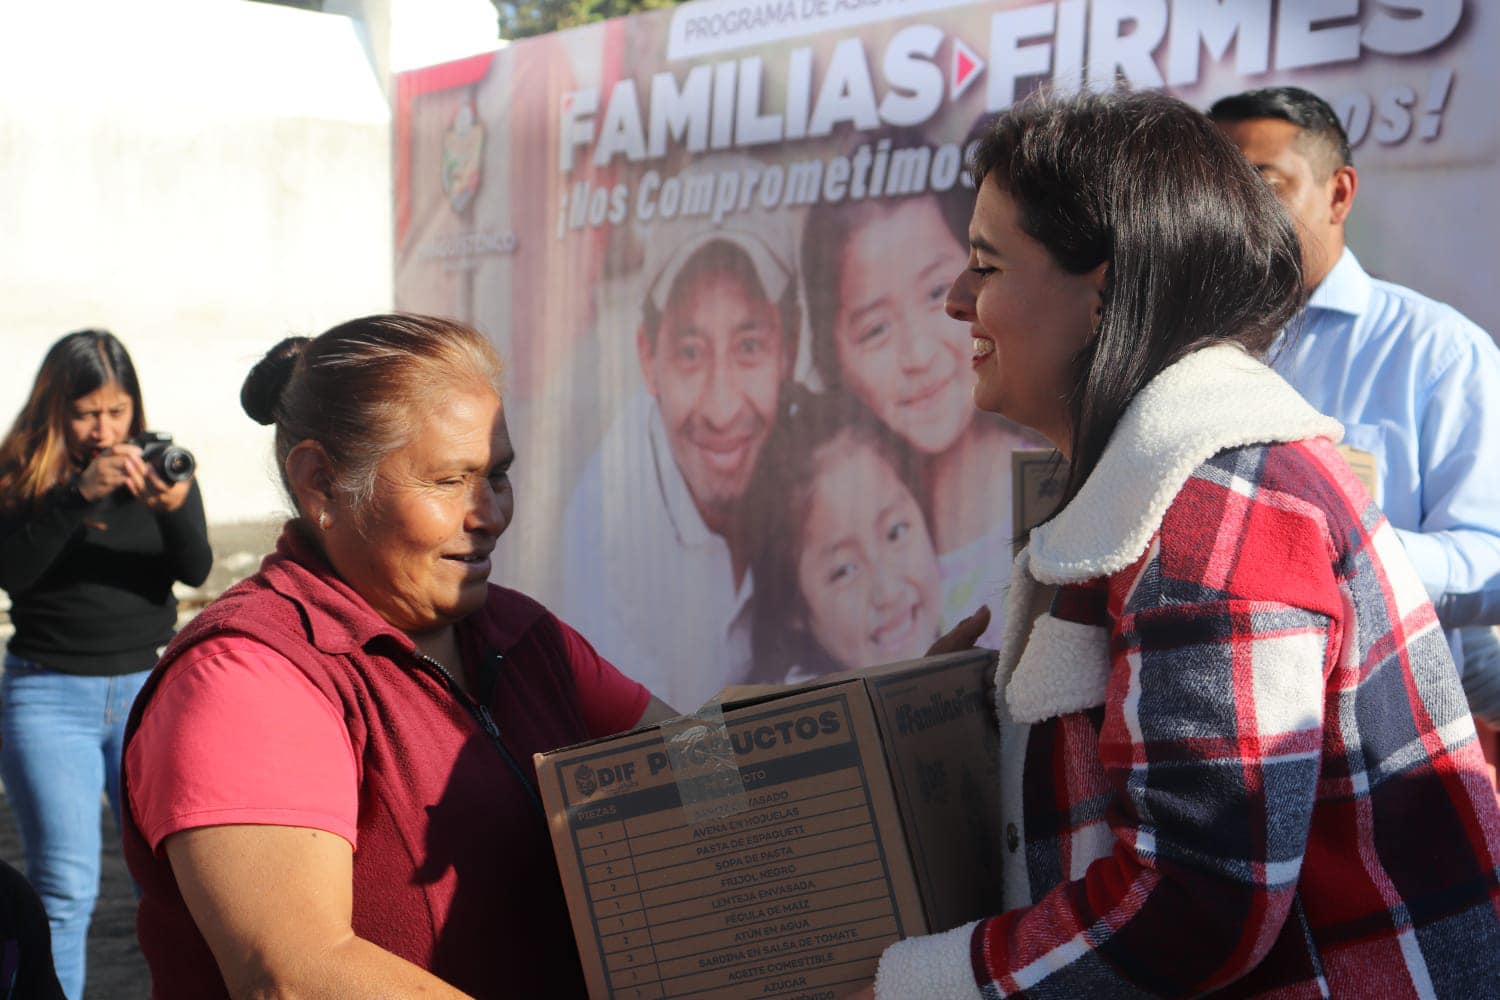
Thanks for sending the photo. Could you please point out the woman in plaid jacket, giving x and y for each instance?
(1235, 756)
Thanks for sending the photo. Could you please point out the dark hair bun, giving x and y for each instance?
(266, 382)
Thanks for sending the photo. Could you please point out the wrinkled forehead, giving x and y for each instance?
(463, 416)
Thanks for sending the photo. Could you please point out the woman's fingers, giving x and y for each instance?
(161, 495)
(122, 466)
(963, 635)
(132, 471)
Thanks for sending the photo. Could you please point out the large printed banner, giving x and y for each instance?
(713, 243)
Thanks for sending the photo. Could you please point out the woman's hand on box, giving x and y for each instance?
(963, 635)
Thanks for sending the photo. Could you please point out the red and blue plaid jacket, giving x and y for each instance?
(1236, 759)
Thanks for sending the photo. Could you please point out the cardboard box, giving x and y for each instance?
(1037, 478)
(776, 847)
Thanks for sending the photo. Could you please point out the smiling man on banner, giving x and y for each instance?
(656, 572)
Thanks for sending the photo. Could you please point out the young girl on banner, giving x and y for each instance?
(846, 576)
(875, 273)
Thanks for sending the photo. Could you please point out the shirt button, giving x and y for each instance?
(1012, 837)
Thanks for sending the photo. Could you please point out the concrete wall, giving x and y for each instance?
(202, 177)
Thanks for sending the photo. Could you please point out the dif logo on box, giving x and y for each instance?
(588, 781)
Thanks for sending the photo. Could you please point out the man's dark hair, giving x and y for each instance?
(1302, 108)
(1197, 248)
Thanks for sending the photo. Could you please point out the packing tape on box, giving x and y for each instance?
(701, 757)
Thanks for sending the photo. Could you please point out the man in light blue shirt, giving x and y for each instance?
(1415, 383)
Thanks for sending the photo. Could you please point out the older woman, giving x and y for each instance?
(329, 775)
(1234, 752)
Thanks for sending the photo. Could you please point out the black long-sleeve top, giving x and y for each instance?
(90, 584)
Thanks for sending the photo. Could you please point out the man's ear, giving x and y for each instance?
(646, 352)
(309, 473)
(1344, 184)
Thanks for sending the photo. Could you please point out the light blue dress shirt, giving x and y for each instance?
(1418, 386)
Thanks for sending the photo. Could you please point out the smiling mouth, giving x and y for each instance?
(925, 396)
(726, 456)
(896, 631)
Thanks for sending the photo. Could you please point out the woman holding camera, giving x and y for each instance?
(91, 540)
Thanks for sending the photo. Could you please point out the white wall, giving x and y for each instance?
(202, 177)
(426, 32)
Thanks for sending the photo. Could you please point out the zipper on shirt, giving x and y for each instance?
(481, 715)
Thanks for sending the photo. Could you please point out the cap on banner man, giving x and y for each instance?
(655, 574)
(1415, 383)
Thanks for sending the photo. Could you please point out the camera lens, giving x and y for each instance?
(176, 464)
(172, 462)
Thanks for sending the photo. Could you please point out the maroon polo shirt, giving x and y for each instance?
(454, 868)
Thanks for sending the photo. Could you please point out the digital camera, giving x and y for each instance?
(173, 463)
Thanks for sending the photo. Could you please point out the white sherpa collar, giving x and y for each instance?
(1214, 399)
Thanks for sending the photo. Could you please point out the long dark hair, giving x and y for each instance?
(1198, 249)
(34, 455)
